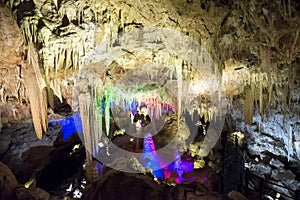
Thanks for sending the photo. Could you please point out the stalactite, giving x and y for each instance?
(56, 66)
(55, 86)
(107, 111)
(289, 9)
(179, 88)
(99, 113)
(261, 102)
(248, 105)
(84, 105)
(94, 124)
(61, 58)
(50, 95)
(285, 12)
(35, 85)
(29, 29)
(285, 97)
(56, 4)
(68, 60)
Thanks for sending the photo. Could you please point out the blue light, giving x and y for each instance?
(69, 126)
(134, 105)
(150, 159)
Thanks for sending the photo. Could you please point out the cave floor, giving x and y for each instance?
(28, 157)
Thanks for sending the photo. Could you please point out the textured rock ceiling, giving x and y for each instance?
(246, 31)
(55, 37)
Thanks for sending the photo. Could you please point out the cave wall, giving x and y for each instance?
(13, 96)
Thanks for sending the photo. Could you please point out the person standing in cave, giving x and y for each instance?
(141, 119)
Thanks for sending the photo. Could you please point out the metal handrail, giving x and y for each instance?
(263, 182)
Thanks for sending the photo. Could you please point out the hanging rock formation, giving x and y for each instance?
(252, 44)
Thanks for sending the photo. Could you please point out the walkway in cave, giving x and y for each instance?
(233, 170)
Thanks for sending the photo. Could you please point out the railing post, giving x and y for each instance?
(222, 183)
(261, 186)
(242, 173)
(297, 194)
(236, 143)
(246, 182)
(240, 186)
(224, 141)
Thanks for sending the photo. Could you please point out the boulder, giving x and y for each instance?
(8, 182)
(276, 163)
(297, 148)
(23, 193)
(235, 195)
(120, 185)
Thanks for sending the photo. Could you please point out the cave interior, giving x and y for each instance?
(171, 99)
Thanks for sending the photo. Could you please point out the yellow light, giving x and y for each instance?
(28, 184)
(76, 146)
(199, 164)
(239, 134)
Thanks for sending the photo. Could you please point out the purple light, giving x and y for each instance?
(180, 167)
(152, 161)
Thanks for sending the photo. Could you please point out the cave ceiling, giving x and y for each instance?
(244, 31)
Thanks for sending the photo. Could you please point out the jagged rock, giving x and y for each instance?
(276, 163)
(258, 143)
(8, 182)
(200, 190)
(297, 149)
(261, 170)
(4, 146)
(234, 195)
(119, 185)
(22, 138)
(42, 194)
(61, 164)
(286, 177)
(297, 131)
(23, 193)
(210, 196)
(1, 125)
(283, 175)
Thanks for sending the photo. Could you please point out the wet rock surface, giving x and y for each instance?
(8, 182)
(10, 189)
(50, 164)
(18, 140)
(119, 185)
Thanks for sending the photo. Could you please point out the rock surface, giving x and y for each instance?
(254, 44)
(119, 185)
(16, 142)
(8, 182)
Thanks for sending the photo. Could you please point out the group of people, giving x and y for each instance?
(140, 119)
